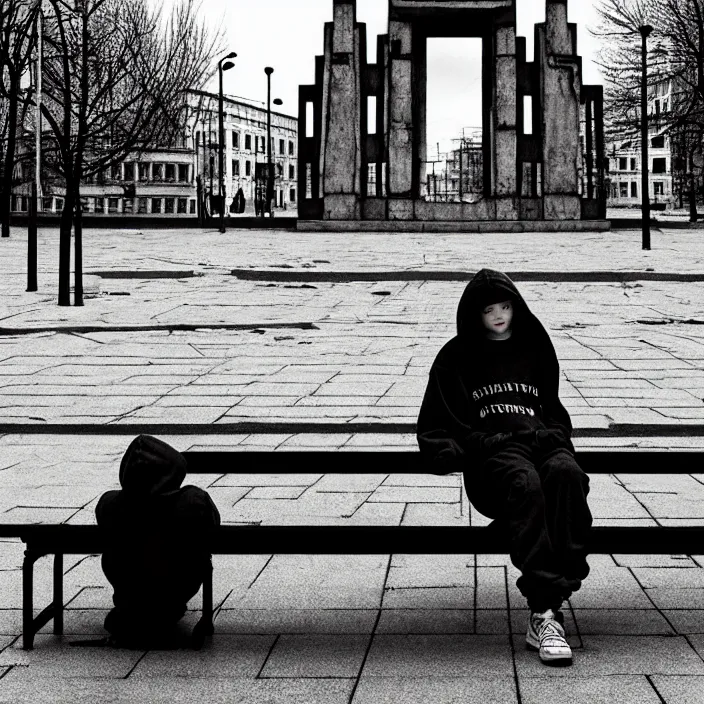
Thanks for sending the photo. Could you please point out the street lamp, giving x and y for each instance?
(269, 168)
(645, 31)
(221, 137)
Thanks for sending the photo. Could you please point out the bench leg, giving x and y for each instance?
(58, 594)
(30, 558)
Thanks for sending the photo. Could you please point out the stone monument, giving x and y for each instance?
(554, 174)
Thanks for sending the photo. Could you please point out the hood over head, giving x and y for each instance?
(151, 467)
(490, 286)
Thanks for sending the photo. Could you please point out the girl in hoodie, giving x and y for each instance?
(491, 410)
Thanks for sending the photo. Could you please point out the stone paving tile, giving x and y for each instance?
(426, 598)
(19, 687)
(607, 621)
(676, 689)
(605, 655)
(588, 690)
(455, 655)
(677, 578)
(308, 655)
(225, 656)
(685, 621)
(673, 598)
(436, 689)
(426, 621)
(267, 621)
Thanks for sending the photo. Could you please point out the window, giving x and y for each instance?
(309, 119)
(193, 206)
(248, 142)
(198, 138)
(657, 107)
(156, 205)
(527, 114)
(309, 180)
(129, 171)
(658, 142)
(144, 172)
(634, 189)
(292, 195)
(141, 205)
(99, 205)
(235, 167)
(633, 164)
(660, 165)
(235, 140)
(127, 205)
(263, 143)
(171, 172)
(116, 172)
(659, 188)
(623, 190)
(183, 173)
(168, 205)
(112, 205)
(622, 162)
(182, 205)
(248, 168)
(291, 171)
(157, 172)
(371, 179)
(290, 147)
(282, 146)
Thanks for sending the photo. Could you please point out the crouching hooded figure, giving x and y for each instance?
(157, 544)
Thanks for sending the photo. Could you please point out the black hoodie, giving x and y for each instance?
(479, 387)
(157, 533)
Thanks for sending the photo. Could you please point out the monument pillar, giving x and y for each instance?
(400, 126)
(560, 79)
(504, 118)
(341, 149)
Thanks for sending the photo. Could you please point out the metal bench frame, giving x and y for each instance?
(60, 539)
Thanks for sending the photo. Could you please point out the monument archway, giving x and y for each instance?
(553, 172)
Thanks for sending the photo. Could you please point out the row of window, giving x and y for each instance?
(259, 142)
(630, 189)
(248, 169)
(631, 164)
(144, 171)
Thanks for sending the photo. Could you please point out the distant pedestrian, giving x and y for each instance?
(239, 201)
(157, 544)
(491, 410)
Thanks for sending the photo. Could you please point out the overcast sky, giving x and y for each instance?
(287, 35)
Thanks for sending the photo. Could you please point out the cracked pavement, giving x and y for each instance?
(209, 359)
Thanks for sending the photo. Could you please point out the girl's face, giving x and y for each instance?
(496, 318)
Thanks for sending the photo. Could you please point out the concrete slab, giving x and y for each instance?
(316, 656)
(588, 690)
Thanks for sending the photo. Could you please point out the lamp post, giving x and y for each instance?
(221, 137)
(645, 32)
(269, 166)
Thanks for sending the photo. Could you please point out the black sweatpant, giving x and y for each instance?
(540, 499)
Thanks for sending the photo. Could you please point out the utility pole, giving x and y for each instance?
(645, 32)
(37, 185)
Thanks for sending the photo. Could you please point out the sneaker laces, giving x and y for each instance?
(551, 634)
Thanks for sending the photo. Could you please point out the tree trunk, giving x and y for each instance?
(9, 167)
(78, 253)
(692, 200)
(65, 246)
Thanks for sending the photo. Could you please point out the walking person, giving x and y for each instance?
(491, 410)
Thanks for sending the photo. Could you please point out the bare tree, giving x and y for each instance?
(116, 75)
(17, 40)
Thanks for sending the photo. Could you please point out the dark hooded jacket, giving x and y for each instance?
(479, 388)
(157, 533)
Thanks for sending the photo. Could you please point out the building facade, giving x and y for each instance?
(164, 180)
(625, 164)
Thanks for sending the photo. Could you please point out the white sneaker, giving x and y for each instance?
(547, 635)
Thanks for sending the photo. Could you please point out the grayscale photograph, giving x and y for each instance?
(352, 351)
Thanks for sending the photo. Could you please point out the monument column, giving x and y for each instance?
(341, 135)
(400, 126)
(504, 119)
(560, 86)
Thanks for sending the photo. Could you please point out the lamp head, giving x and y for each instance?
(268, 70)
(278, 101)
(227, 65)
(231, 55)
(646, 30)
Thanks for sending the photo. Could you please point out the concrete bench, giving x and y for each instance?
(59, 539)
